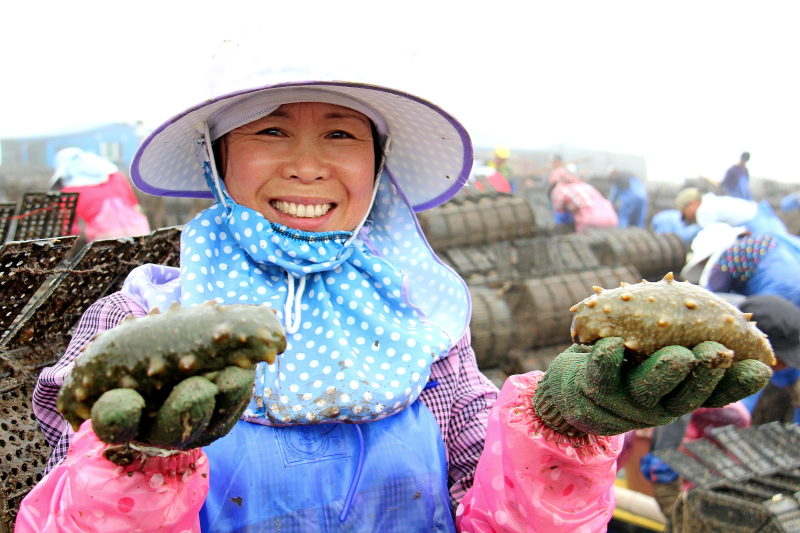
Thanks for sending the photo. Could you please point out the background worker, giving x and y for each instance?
(745, 264)
(487, 179)
(631, 194)
(499, 162)
(780, 399)
(737, 180)
(570, 194)
(107, 207)
(706, 209)
(671, 221)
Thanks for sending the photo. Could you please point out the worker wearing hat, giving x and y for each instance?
(707, 208)
(500, 163)
(571, 195)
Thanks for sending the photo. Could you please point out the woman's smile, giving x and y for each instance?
(301, 210)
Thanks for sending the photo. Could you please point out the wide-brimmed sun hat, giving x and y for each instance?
(709, 244)
(430, 153)
(76, 168)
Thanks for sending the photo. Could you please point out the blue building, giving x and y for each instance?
(116, 142)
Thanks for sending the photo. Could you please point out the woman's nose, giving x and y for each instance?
(306, 162)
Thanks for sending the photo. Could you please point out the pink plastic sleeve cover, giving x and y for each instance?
(87, 492)
(532, 479)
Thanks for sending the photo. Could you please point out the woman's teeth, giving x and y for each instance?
(301, 210)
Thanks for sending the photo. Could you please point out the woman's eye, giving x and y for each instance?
(340, 135)
(270, 131)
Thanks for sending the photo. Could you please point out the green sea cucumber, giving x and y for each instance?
(207, 351)
(650, 316)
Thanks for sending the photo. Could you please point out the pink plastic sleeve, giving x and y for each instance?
(87, 492)
(531, 479)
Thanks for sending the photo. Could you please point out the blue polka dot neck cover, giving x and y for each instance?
(366, 313)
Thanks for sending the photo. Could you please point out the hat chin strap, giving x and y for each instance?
(212, 162)
(354, 236)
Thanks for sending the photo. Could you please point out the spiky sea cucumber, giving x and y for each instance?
(154, 353)
(650, 316)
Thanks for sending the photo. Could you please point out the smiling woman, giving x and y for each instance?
(308, 166)
(376, 416)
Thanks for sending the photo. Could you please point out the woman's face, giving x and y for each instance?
(308, 166)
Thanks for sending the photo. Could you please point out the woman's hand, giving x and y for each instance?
(198, 411)
(594, 389)
(175, 381)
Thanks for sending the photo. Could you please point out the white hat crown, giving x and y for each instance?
(431, 153)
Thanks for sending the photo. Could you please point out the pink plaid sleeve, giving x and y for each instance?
(102, 315)
(461, 403)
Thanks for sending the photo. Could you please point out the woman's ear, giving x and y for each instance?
(220, 149)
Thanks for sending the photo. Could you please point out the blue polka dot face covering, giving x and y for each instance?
(366, 313)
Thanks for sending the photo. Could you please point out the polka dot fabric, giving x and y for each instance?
(373, 316)
(431, 154)
(742, 258)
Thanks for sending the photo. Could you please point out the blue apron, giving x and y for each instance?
(385, 476)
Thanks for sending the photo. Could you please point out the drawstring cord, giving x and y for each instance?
(351, 492)
(293, 299)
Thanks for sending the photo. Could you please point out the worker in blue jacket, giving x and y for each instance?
(731, 259)
(632, 196)
(671, 221)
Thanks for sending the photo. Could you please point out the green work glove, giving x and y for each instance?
(594, 389)
(198, 411)
(175, 381)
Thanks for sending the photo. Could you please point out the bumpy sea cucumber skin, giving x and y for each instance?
(650, 316)
(154, 353)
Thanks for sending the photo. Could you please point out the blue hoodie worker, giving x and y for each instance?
(632, 196)
(671, 221)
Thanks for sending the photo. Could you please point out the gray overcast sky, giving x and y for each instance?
(689, 85)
